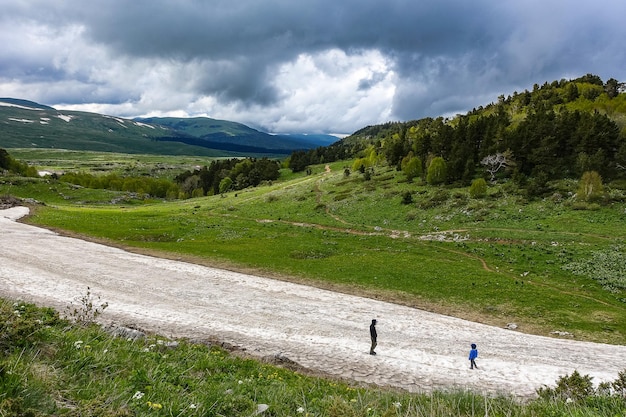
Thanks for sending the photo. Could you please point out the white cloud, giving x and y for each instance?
(317, 91)
(323, 90)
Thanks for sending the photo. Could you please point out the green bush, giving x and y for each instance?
(590, 188)
(619, 385)
(478, 189)
(437, 171)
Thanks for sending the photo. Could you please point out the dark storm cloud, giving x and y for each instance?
(275, 30)
(256, 36)
(445, 56)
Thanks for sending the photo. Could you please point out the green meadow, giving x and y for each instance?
(62, 160)
(550, 264)
(498, 259)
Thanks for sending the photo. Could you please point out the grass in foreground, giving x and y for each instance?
(51, 367)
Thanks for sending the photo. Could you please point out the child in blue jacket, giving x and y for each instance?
(472, 356)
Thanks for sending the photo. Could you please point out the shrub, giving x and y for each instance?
(574, 387)
(439, 197)
(538, 186)
(581, 205)
(478, 189)
(225, 185)
(437, 171)
(411, 166)
(590, 187)
(619, 385)
(85, 313)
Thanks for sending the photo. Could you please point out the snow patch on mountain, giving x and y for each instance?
(144, 125)
(4, 103)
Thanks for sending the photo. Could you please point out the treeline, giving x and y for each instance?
(228, 174)
(558, 130)
(219, 177)
(9, 164)
(154, 187)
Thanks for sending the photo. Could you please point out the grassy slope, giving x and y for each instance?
(51, 368)
(495, 260)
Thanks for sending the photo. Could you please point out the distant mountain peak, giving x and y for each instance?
(23, 104)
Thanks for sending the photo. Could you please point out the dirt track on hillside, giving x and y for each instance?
(320, 330)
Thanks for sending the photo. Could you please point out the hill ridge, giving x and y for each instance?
(27, 124)
(559, 129)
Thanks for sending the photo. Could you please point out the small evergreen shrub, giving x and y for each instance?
(478, 189)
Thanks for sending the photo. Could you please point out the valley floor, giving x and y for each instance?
(322, 331)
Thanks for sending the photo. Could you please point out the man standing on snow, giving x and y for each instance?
(374, 335)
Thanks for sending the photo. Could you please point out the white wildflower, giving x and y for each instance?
(138, 395)
(300, 410)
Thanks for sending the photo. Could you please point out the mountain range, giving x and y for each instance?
(27, 124)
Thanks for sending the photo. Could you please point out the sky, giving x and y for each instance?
(300, 66)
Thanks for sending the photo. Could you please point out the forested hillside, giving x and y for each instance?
(558, 130)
